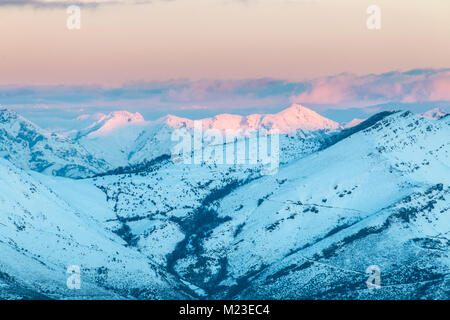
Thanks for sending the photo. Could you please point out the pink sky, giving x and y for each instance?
(222, 39)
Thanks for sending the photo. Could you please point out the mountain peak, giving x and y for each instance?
(295, 107)
(126, 115)
(433, 114)
(6, 113)
(108, 124)
(288, 120)
(353, 123)
(298, 117)
(8, 116)
(122, 117)
(173, 121)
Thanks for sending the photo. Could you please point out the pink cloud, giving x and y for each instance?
(440, 89)
(409, 87)
(328, 90)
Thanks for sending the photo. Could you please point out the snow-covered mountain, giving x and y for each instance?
(48, 224)
(112, 137)
(109, 125)
(123, 138)
(30, 147)
(289, 120)
(375, 198)
(231, 231)
(434, 114)
(297, 117)
(372, 194)
(353, 123)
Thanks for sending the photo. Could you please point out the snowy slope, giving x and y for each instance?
(112, 137)
(30, 147)
(297, 117)
(408, 241)
(375, 193)
(353, 123)
(434, 114)
(111, 124)
(288, 120)
(316, 197)
(122, 138)
(43, 233)
(148, 197)
(215, 226)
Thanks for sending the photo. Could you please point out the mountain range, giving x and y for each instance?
(109, 199)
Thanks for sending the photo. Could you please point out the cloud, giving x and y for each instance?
(203, 98)
(328, 91)
(59, 3)
(425, 85)
(157, 98)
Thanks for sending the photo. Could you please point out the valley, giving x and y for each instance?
(110, 199)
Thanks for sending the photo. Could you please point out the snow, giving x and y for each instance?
(336, 205)
(31, 147)
(114, 122)
(433, 114)
(44, 232)
(122, 138)
(353, 123)
(298, 117)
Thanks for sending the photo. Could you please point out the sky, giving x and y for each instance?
(199, 57)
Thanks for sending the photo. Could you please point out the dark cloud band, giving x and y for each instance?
(63, 3)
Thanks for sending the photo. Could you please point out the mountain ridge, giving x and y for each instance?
(31, 147)
(288, 120)
(373, 194)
